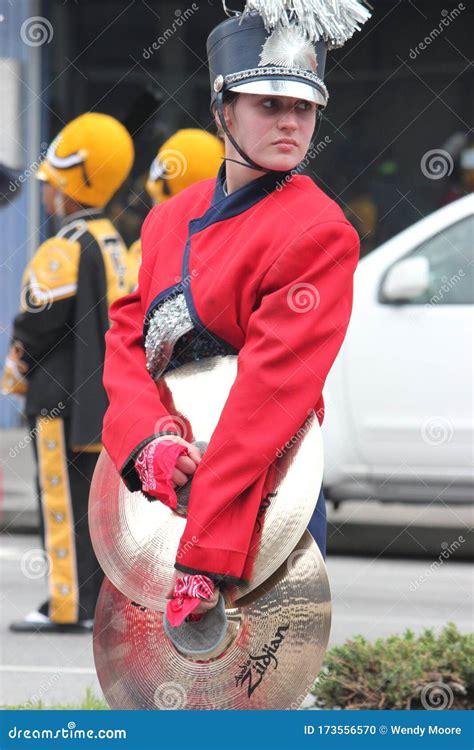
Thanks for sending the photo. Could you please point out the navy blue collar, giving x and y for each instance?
(226, 206)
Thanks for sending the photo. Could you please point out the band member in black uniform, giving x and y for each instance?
(57, 352)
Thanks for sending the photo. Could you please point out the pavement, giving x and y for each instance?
(18, 503)
(33, 667)
(373, 597)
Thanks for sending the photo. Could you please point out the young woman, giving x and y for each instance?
(259, 263)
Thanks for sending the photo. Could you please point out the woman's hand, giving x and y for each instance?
(204, 606)
(185, 465)
(162, 468)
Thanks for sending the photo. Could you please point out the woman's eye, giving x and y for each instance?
(268, 103)
(304, 105)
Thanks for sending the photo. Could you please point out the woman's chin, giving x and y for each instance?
(281, 162)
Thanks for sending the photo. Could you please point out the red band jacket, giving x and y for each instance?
(266, 272)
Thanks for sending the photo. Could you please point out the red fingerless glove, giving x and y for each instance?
(155, 465)
(188, 592)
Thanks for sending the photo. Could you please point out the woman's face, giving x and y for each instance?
(275, 131)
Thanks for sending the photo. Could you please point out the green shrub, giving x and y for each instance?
(89, 703)
(399, 672)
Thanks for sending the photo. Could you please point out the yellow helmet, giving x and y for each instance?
(89, 159)
(188, 156)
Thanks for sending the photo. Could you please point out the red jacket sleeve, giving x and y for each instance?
(136, 413)
(291, 342)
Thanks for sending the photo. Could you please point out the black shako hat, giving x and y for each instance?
(278, 47)
(244, 57)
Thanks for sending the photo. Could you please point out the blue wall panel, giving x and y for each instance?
(18, 227)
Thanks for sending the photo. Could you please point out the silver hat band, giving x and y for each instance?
(275, 72)
(271, 87)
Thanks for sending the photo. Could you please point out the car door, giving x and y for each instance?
(411, 388)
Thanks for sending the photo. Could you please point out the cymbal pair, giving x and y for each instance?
(277, 625)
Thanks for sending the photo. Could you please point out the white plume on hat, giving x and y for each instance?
(333, 21)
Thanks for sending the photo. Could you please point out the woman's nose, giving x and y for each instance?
(288, 120)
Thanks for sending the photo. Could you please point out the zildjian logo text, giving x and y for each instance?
(254, 669)
(264, 505)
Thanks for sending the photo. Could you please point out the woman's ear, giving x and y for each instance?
(227, 118)
(227, 114)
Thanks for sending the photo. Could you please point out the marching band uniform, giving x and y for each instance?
(265, 273)
(67, 288)
(241, 275)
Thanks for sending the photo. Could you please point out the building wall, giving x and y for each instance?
(20, 220)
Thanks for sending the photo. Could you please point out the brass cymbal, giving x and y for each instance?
(270, 657)
(136, 541)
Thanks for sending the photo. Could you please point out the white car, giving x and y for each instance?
(399, 399)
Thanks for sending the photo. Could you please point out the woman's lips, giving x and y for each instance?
(285, 145)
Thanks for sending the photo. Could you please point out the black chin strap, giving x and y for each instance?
(242, 163)
(319, 118)
(248, 162)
